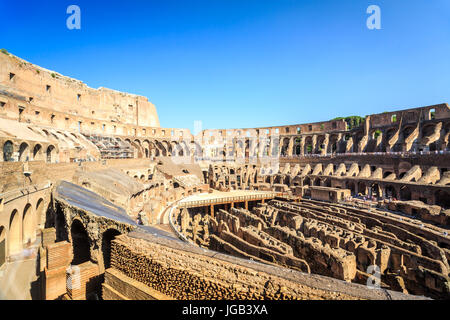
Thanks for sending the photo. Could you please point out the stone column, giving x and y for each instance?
(270, 146)
(290, 147)
(314, 144)
(302, 145)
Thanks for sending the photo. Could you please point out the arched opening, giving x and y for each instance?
(297, 150)
(28, 234)
(14, 241)
(390, 192)
(50, 153)
(284, 147)
(40, 214)
(108, 236)
(24, 152)
(37, 152)
(320, 144)
(308, 145)
(8, 150)
(80, 243)
(407, 131)
(376, 190)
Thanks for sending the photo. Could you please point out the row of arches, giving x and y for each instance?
(81, 244)
(382, 190)
(26, 153)
(21, 228)
(165, 148)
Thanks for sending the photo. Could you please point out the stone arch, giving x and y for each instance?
(390, 191)
(333, 144)
(147, 148)
(137, 148)
(8, 151)
(285, 146)
(298, 149)
(154, 151)
(37, 152)
(28, 228)
(185, 146)
(407, 130)
(177, 149)
(50, 153)
(309, 145)
(162, 148)
(40, 212)
(107, 237)
(80, 243)
(14, 235)
(376, 190)
(320, 144)
(168, 147)
(24, 152)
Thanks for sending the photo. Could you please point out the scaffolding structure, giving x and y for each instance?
(111, 147)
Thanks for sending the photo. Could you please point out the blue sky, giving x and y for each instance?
(244, 63)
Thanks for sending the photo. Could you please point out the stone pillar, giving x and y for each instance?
(325, 142)
(302, 145)
(340, 138)
(314, 144)
(290, 147)
(271, 147)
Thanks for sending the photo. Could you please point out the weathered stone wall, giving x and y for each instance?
(181, 273)
(45, 89)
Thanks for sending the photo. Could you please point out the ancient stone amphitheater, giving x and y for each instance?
(98, 201)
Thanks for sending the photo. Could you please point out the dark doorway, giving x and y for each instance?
(108, 236)
(80, 243)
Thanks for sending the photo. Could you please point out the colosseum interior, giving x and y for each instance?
(100, 202)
